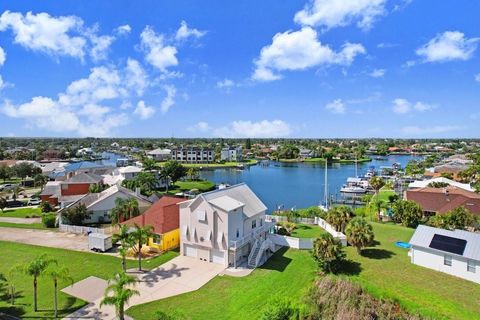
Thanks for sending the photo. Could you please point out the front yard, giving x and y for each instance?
(22, 213)
(80, 265)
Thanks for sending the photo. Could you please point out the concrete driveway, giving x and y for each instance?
(45, 238)
(179, 275)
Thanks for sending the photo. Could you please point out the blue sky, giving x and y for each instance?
(351, 68)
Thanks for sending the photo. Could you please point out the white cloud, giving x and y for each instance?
(123, 30)
(100, 46)
(477, 77)
(331, 14)
(377, 73)
(42, 32)
(422, 131)
(136, 77)
(168, 101)
(3, 56)
(157, 52)
(299, 50)
(403, 106)
(261, 129)
(201, 126)
(144, 111)
(225, 83)
(185, 32)
(336, 106)
(448, 46)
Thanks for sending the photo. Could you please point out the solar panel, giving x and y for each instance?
(448, 244)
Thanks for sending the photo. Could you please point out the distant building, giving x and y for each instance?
(454, 252)
(424, 183)
(193, 155)
(306, 153)
(231, 154)
(441, 200)
(51, 154)
(160, 154)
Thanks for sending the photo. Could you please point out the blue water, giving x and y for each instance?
(295, 184)
(404, 245)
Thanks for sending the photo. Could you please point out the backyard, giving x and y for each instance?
(307, 231)
(80, 265)
(384, 270)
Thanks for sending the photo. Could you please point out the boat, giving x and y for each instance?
(353, 189)
(380, 158)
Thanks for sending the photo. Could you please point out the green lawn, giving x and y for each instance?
(201, 185)
(22, 212)
(307, 231)
(288, 273)
(25, 225)
(385, 271)
(80, 264)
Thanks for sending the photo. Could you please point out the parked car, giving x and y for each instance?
(34, 202)
(7, 186)
(15, 203)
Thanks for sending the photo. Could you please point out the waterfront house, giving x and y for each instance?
(193, 155)
(454, 252)
(425, 183)
(160, 154)
(164, 217)
(231, 154)
(100, 205)
(225, 226)
(441, 200)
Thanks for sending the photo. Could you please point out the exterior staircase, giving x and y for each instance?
(252, 259)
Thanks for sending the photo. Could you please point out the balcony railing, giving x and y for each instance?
(234, 244)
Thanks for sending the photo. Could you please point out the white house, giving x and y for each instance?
(231, 154)
(100, 205)
(226, 226)
(160, 154)
(454, 252)
(424, 183)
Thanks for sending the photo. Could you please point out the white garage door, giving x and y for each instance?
(190, 251)
(218, 256)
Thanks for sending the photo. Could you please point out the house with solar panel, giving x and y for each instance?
(454, 252)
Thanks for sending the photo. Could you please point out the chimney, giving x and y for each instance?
(137, 191)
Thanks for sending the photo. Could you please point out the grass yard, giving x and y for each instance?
(307, 231)
(25, 226)
(385, 271)
(201, 185)
(289, 273)
(80, 264)
(22, 213)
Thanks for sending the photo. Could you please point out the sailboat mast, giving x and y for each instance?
(326, 184)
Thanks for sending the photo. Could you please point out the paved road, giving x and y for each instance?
(179, 275)
(45, 238)
(20, 220)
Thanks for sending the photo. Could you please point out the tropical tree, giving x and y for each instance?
(149, 164)
(407, 212)
(3, 203)
(173, 171)
(76, 214)
(458, 218)
(124, 209)
(339, 217)
(376, 183)
(378, 205)
(328, 252)
(192, 173)
(123, 236)
(359, 233)
(140, 237)
(119, 291)
(5, 172)
(39, 180)
(57, 274)
(35, 269)
(146, 181)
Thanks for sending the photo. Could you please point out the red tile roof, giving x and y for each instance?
(163, 215)
(442, 200)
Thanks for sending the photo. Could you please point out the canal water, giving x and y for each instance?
(299, 185)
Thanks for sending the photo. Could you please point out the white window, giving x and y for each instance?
(238, 232)
(447, 260)
(471, 266)
(254, 224)
(201, 215)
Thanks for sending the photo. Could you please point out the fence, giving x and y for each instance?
(85, 230)
(275, 218)
(296, 243)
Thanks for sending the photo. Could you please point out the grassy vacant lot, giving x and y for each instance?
(307, 231)
(288, 273)
(80, 264)
(385, 271)
(21, 212)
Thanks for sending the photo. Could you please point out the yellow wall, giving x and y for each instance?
(169, 240)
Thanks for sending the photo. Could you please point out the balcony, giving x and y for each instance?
(235, 244)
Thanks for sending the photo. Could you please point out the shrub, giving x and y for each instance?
(46, 207)
(280, 309)
(408, 213)
(160, 315)
(328, 252)
(311, 212)
(49, 220)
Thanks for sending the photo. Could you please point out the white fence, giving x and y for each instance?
(85, 230)
(330, 229)
(296, 243)
(275, 218)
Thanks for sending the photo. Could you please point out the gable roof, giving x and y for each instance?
(442, 200)
(163, 215)
(51, 188)
(234, 197)
(83, 178)
(129, 169)
(424, 234)
(425, 183)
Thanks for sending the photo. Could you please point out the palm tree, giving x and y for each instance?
(339, 217)
(146, 181)
(192, 173)
(121, 287)
(123, 236)
(328, 252)
(124, 209)
(57, 274)
(149, 164)
(359, 233)
(140, 236)
(376, 183)
(35, 269)
(378, 205)
(39, 180)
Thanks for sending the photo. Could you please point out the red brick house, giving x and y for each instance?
(441, 200)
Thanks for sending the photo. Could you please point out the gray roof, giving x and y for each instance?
(85, 178)
(234, 197)
(424, 234)
(51, 188)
